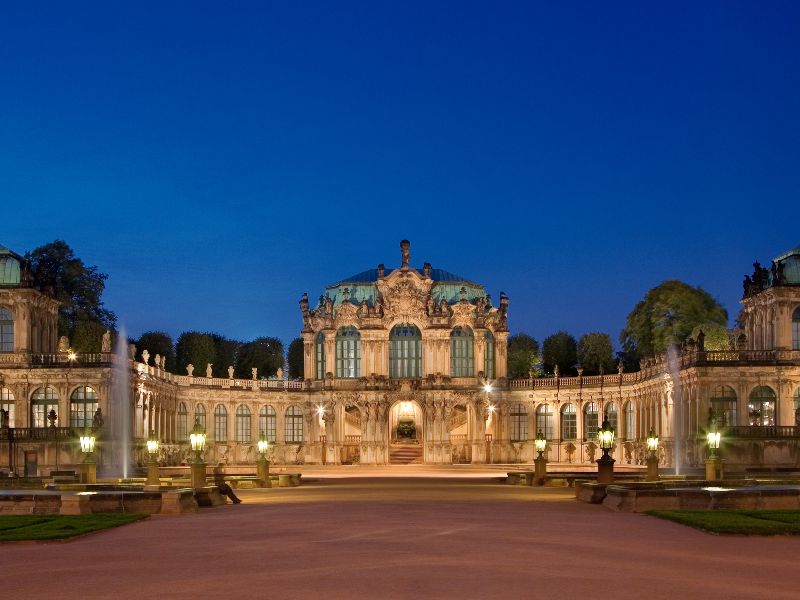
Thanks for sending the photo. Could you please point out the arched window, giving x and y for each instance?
(761, 406)
(796, 329)
(611, 417)
(462, 352)
(405, 352)
(320, 355)
(6, 330)
(797, 407)
(7, 404)
(82, 406)
(44, 400)
(348, 352)
(243, 423)
(267, 423)
(488, 357)
(220, 423)
(630, 426)
(200, 416)
(544, 421)
(294, 425)
(590, 421)
(519, 423)
(183, 423)
(569, 422)
(723, 405)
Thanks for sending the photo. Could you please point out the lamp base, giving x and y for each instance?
(262, 473)
(652, 469)
(714, 470)
(87, 472)
(198, 470)
(539, 470)
(605, 469)
(153, 474)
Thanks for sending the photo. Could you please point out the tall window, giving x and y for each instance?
(590, 419)
(6, 330)
(544, 421)
(569, 422)
(611, 417)
(723, 405)
(200, 416)
(797, 407)
(761, 406)
(319, 353)
(488, 357)
(462, 352)
(630, 428)
(519, 423)
(7, 404)
(405, 352)
(183, 423)
(294, 425)
(220, 423)
(243, 423)
(267, 423)
(796, 329)
(42, 402)
(348, 352)
(82, 406)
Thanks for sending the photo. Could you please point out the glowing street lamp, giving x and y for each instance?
(540, 462)
(262, 466)
(88, 468)
(153, 474)
(197, 439)
(87, 442)
(652, 457)
(605, 465)
(713, 462)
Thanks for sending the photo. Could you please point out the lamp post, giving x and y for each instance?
(153, 474)
(540, 462)
(262, 466)
(652, 457)
(88, 468)
(713, 462)
(197, 438)
(605, 464)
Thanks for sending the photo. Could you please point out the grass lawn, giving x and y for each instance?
(15, 528)
(743, 522)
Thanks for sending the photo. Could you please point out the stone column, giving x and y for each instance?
(308, 355)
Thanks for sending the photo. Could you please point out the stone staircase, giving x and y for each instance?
(405, 454)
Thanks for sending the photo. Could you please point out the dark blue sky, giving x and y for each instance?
(217, 161)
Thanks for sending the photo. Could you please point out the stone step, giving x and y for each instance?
(404, 454)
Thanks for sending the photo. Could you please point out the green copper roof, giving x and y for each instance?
(371, 276)
(9, 267)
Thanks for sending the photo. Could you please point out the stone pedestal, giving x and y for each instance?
(652, 469)
(198, 474)
(605, 470)
(714, 469)
(87, 472)
(539, 470)
(153, 474)
(262, 473)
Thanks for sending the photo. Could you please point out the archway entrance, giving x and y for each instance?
(405, 434)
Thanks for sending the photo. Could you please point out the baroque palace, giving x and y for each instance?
(406, 365)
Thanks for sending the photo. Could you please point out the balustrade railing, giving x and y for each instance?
(762, 432)
(352, 439)
(36, 433)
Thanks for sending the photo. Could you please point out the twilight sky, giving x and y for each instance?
(218, 160)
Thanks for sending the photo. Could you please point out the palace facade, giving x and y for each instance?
(406, 365)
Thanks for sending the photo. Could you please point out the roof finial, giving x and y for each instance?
(405, 250)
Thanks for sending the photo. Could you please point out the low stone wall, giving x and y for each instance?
(626, 499)
(175, 501)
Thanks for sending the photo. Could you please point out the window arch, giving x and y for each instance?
(348, 352)
(200, 416)
(519, 423)
(462, 352)
(488, 357)
(6, 330)
(44, 400)
(569, 422)
(243, 423)
(630, 424)
(796, 329)
(544, 421)
(611, 417)
(7, 404)
(82, 406)
(761, 406)
(319, 353)
(267, 423)
(723, 405)
(220, 423)
(183, 422)
(590, 421)
(294, 425)
(405, 352)
(797, 407)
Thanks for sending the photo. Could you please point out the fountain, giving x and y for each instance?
(121, 407)
(674, 367)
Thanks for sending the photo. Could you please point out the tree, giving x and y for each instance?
(225, 351)
(78, 287)
(523, 351)
(194, 348)
(295, 359)
(596, 353)
(668, 314)
(157, 342)
(87, 337)
(560, 349)
(716, 336)
(264, 354)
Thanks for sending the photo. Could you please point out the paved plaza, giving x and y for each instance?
(404, 537)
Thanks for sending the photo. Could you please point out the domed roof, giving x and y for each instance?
(9, 268)
(790, 264)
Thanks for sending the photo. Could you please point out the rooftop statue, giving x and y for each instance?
(405, 250)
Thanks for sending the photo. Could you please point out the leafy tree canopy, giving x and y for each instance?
(295, 359)
(716, 336)
(596, 353)
(560, 349)
(264, 354)
(666, 315)
(157, 342)
(194, 348)
(225, 352)
(522, 355)
(87, 336)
